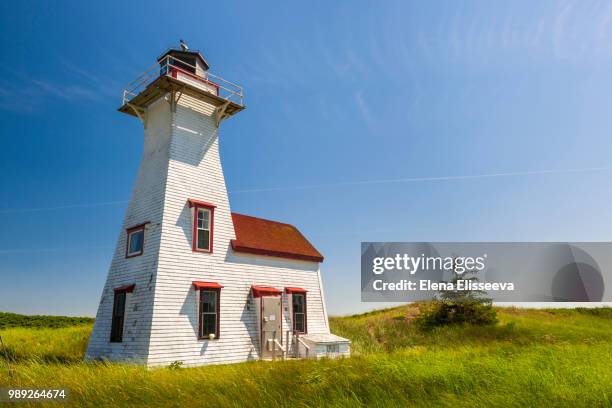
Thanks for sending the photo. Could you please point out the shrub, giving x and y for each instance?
(459, 306)
(8, 320)
(442, 313)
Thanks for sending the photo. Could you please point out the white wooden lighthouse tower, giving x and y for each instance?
(191, 281)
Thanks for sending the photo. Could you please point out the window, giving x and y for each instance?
(298, 301)
(203, 230)
(332, 349)
(203, 224)
(209, 314)
(118, 317)
(185, 63)
(208, 309)
(135, 241)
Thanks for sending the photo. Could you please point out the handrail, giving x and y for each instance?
(306, 346)
(168, 66)
(280, 345)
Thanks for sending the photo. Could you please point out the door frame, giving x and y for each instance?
(262, 345)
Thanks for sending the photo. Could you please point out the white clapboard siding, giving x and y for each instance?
(180, 162)
(145, 206)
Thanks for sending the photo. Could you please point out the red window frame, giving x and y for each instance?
(208, 287)
(302, 292)
(129, 231)
(198, 205)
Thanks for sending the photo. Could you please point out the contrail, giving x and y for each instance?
(421, 179)
(27, 250)
(61, 207)
(339, 184)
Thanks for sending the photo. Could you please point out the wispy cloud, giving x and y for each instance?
(606, 19)
(349, 184)
(569, 30)
(429, 179)
(23, 93)
(560, 28)
(60, 207)
(38, 250)
(363, 108)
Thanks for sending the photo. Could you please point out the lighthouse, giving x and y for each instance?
(191, 281)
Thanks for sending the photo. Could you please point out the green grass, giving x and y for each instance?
(65, 345)
(531, 358)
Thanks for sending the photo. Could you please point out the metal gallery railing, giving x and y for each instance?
(173, 67)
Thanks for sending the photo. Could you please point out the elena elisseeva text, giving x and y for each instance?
(428, 285)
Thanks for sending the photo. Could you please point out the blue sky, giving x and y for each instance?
(337, 94)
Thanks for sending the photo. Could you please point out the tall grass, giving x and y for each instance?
(532, 358)
(390, 330)
(65, 345)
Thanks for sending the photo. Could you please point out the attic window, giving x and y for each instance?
(135, 241)
(203, 223)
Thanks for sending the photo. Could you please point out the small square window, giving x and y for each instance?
(135, 241)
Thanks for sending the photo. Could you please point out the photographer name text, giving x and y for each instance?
(428, 285)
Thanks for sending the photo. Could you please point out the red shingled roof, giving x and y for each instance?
(265, 237)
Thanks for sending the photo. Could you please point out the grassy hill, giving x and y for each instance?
(531, 358)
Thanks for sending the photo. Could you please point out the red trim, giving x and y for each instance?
(259, 291)
(279, 254)
(174, 69)
(196, 204)
(125, 288)
(206, 285)
(303, 293)
(261, 330)
(289, 290)
(130, 230)
(218, 290)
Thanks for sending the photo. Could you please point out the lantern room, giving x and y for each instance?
(190, 61)
(181, 71)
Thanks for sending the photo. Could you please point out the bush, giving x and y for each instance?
(442, 313)
(453, 306)
(8, 320)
